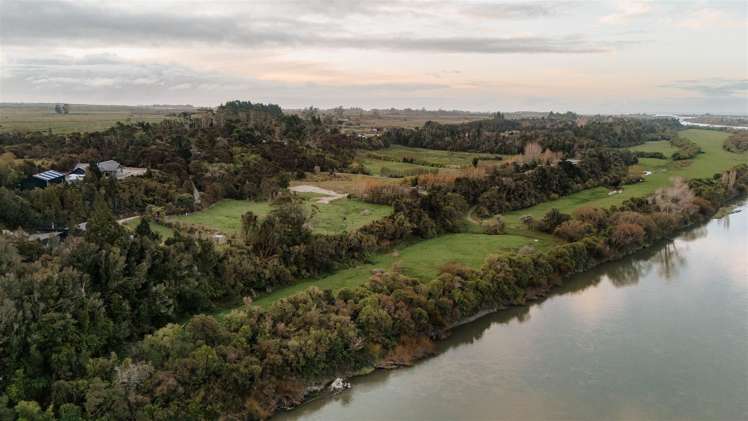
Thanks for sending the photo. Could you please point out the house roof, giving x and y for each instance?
(81, 166)
(106, 166)
(48, 175)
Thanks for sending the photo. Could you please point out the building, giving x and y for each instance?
(44, 179)
(111, 168)
(78, 173)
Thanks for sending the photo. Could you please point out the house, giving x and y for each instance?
(78, 173)
(111, 168)
(44, 179)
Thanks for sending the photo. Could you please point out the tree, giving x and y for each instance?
(677, 198)
(102, 228)
(625, 235)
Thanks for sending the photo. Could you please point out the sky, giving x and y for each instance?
(583, 56)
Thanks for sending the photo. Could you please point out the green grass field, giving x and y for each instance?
(714, 160)
(384, 168)
(332, 218)
(82, 118)
(421, 261)
(662, 146)
(163, 231)
(437, 157)
(443, 161)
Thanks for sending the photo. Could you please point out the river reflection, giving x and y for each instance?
(661, 334)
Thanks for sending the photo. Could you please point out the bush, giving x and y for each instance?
(627, 235)
(573, 230)
(737, 143)
(495, 227)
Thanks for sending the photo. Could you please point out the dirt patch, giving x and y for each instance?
(329, 194)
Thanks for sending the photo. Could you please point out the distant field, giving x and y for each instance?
(421, 260)
(82, 118)
(342, 182)
(426, 160)
(437, 157)
(662, 146)
(333, 218)
(714, 160)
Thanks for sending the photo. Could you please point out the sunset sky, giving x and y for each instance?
(606, 57)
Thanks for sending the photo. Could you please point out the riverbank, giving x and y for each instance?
(538, 290)
(657, 335)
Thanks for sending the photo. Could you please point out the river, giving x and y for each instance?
(660, 335)
(686, 121)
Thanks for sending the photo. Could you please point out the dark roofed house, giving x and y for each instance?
(78, 173)
(44, 179)
(80, 168)
(111, 168)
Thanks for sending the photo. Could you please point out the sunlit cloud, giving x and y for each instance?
(626, 10)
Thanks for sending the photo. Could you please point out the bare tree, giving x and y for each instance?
(676, 198)
(532, 152)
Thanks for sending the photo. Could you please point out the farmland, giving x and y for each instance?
(326, 218)
(422, 261)
(403, 161)
(82, 118)
(714, 159)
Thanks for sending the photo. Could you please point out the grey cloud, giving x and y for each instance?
(120, 81)
(57, 23)
(517, 10)
(712, 87)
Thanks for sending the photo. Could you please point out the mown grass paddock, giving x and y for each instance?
(421, 260)
(327, 218)
(436, 157)
(404, 161)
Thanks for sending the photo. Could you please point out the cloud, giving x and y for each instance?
(61, 24)
(516, 10)
(626, 10)
(712, 87)
(707, 17)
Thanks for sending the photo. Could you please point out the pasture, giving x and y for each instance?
(82, 118)
(422, 260)
(338, 216)
(662, 146)
(163, 231)
(436, 157)
(714, 160)
(389, 162)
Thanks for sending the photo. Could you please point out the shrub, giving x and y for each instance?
(627, 235)
(737, 143)
(495, 227)
(573, 230)
(594, 216)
